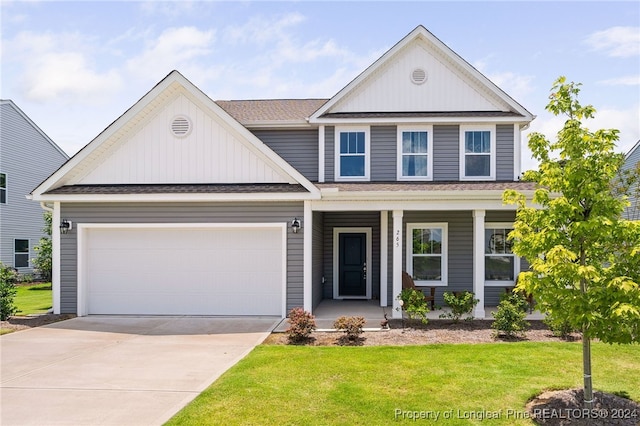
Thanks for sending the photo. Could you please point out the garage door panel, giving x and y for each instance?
(235, 271)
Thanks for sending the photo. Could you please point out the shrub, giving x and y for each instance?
(8, 278)
(558, 326)
(302, 324)
(414, 304)
(509, 319)
(352, 326)
(43, 262)
(460, 304)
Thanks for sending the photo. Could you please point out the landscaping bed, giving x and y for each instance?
(16, 323)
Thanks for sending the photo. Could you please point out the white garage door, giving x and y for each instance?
(184, 271)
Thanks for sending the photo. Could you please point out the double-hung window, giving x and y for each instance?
(477, 153)
(352, 153)
(501, 265)
(415, 153)
(3, 188)
(427, 253)
(21, 253)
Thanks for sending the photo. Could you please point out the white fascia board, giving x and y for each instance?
(178, 198)
(276, 124)
(424, 205)
(330, 194)
(422, 120)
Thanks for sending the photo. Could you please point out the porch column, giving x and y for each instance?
(55, 256)
(307, 227)
(478, 262)
(384, 257)
(397, 261)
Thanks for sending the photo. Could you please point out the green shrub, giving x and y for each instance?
(43, 263)
(460, 304)
(352, 326)
(302, 324)
(558, 326)
(414, 304)
(8, 278)
(509, 319)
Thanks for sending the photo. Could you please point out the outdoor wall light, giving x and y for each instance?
(66, 226)
(295, 225)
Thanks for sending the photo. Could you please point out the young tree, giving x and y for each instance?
(43, 262)
(585, 259)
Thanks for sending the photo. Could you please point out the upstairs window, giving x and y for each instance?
(352, 154)
(415, 153)
(3, 188)
(501, 265)
(21, 254)
(477, 153)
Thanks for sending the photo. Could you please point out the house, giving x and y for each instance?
(27, 157)
(189, 206)
(631, 161)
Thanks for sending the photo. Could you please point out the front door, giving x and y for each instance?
(352, 264)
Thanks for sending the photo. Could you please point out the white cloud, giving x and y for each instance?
(616, 41)
(515, 85)
(630, 80)
(260, 30)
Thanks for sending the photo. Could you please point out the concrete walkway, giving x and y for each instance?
(105, 370)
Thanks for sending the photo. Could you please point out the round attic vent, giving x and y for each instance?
(180, 126)
(418, 76)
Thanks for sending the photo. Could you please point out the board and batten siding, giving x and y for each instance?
(180, 213)
(27, 158)
(384, 153)
(298, 147)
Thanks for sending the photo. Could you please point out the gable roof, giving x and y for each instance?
(477, 83)
(84, 167)
(10, 103)
(265, 112)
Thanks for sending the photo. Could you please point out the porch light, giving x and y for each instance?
(295, 225)
(65, 226)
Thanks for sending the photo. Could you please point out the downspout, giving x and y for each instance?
(44, 206)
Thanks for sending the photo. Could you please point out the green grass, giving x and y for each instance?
(287, 385)
(33, 299)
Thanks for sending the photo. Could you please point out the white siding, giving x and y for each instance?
(446, 89)
(211, 153)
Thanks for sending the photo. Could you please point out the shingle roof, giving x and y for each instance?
(287, 110)
(179, 188)
(428, 186)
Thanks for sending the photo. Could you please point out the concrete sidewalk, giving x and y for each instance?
(107, 370)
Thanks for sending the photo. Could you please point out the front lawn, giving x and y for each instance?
(374, 385)
(33, 299)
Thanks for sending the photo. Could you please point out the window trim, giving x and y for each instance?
(444, 226)
(367, 153)
(400, 155)
(516, 262)
(491, 128)
(28, 252)
(5, 189)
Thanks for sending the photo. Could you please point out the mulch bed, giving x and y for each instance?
(16, 323)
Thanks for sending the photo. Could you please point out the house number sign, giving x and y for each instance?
(397, 238)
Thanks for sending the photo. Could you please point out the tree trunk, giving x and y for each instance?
(586, 369)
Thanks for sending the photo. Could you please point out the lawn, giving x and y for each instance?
(33, 299)
(374, 385)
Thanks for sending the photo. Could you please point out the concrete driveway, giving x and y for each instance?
(104, 370)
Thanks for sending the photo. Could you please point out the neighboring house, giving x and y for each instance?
(632, 160)
(189, 206)
(27, 157)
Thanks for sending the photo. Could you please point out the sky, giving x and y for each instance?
(75, 67)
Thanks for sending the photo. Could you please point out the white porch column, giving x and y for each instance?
(321, 154)
(397, 261)
(307, 287)
(478, 262)
(384, 256)
(55, 256)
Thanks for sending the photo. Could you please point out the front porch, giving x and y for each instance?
(329, 310)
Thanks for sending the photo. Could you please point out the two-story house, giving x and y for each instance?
(27, 157)
(631, 162)
(185, 205)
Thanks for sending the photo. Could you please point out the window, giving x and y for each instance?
(415, 153)
(352, 154)
(427, 253)
(501, 265)
(3, 188)
(21, 254)
(477, 153)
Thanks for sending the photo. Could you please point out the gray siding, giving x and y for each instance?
(632, 161)
(180, 213)
(383, 153)
(347, 220)
(504, 152)
(27, 157)
(298, 147)
(318, 257)
(446, 153)
(329, 154)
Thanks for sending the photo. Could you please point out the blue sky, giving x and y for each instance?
(74, 67)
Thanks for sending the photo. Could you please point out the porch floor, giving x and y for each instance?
(329, 310)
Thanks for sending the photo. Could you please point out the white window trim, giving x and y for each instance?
(28, 253)
(516, 262)
(478, 128)
(443, 282)
(420, 128)
(6, 188)
(367, 154)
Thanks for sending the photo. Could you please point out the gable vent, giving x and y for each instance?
(180, 126)
(418, 76)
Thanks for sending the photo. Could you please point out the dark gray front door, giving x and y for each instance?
(352, 267)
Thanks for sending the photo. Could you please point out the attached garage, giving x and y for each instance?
(182, 269)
